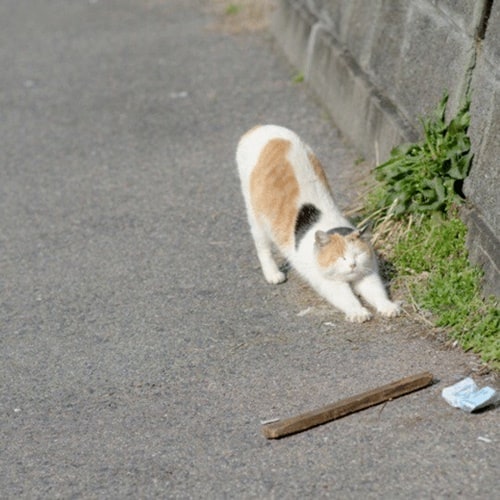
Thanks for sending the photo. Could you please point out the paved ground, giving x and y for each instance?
(140, 347)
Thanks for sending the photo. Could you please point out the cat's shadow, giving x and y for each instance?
(285, 267)
(387, 269)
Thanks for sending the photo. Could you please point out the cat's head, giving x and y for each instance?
(343, 254)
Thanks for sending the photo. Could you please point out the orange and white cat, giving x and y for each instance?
(289, 204)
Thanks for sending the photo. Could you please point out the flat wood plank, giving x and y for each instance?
(347, 406)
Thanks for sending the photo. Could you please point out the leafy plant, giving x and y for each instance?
(427, 176)
(414, 211)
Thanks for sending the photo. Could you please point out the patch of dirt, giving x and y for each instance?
(241, 16)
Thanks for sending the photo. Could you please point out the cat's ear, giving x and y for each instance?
(322, 238)
(365, 232)
(360, 234)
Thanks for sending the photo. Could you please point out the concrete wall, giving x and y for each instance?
(379, 65)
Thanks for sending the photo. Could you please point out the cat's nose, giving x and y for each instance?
(352, 265)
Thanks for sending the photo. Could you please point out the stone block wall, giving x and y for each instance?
(482, 187)
(379, 66)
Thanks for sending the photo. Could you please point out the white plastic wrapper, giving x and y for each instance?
(468, 397)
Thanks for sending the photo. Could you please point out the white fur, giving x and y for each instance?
(356, 272)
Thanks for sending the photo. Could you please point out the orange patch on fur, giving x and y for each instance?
(318, 169)
(274, 190)
(332, 251)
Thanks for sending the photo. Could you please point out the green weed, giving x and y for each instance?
(433, 259)
(414, 211)
(427, 176)
(232, 9)
(298, 77)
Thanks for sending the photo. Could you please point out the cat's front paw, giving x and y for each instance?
(390, 309)
(275, 278)
(359, 315)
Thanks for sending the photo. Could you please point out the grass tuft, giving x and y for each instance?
(415, 213)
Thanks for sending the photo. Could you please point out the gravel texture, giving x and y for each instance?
(140, 347)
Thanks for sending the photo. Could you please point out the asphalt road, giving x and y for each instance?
(140, 347)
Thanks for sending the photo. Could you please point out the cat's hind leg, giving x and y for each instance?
(263, 246)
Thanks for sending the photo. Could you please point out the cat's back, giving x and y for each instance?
(281, 179)
(274, 151)
(273, 148)
(276, 140)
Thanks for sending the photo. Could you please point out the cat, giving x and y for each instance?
(289, 204)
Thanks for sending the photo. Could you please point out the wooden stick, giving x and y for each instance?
(346, 406)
